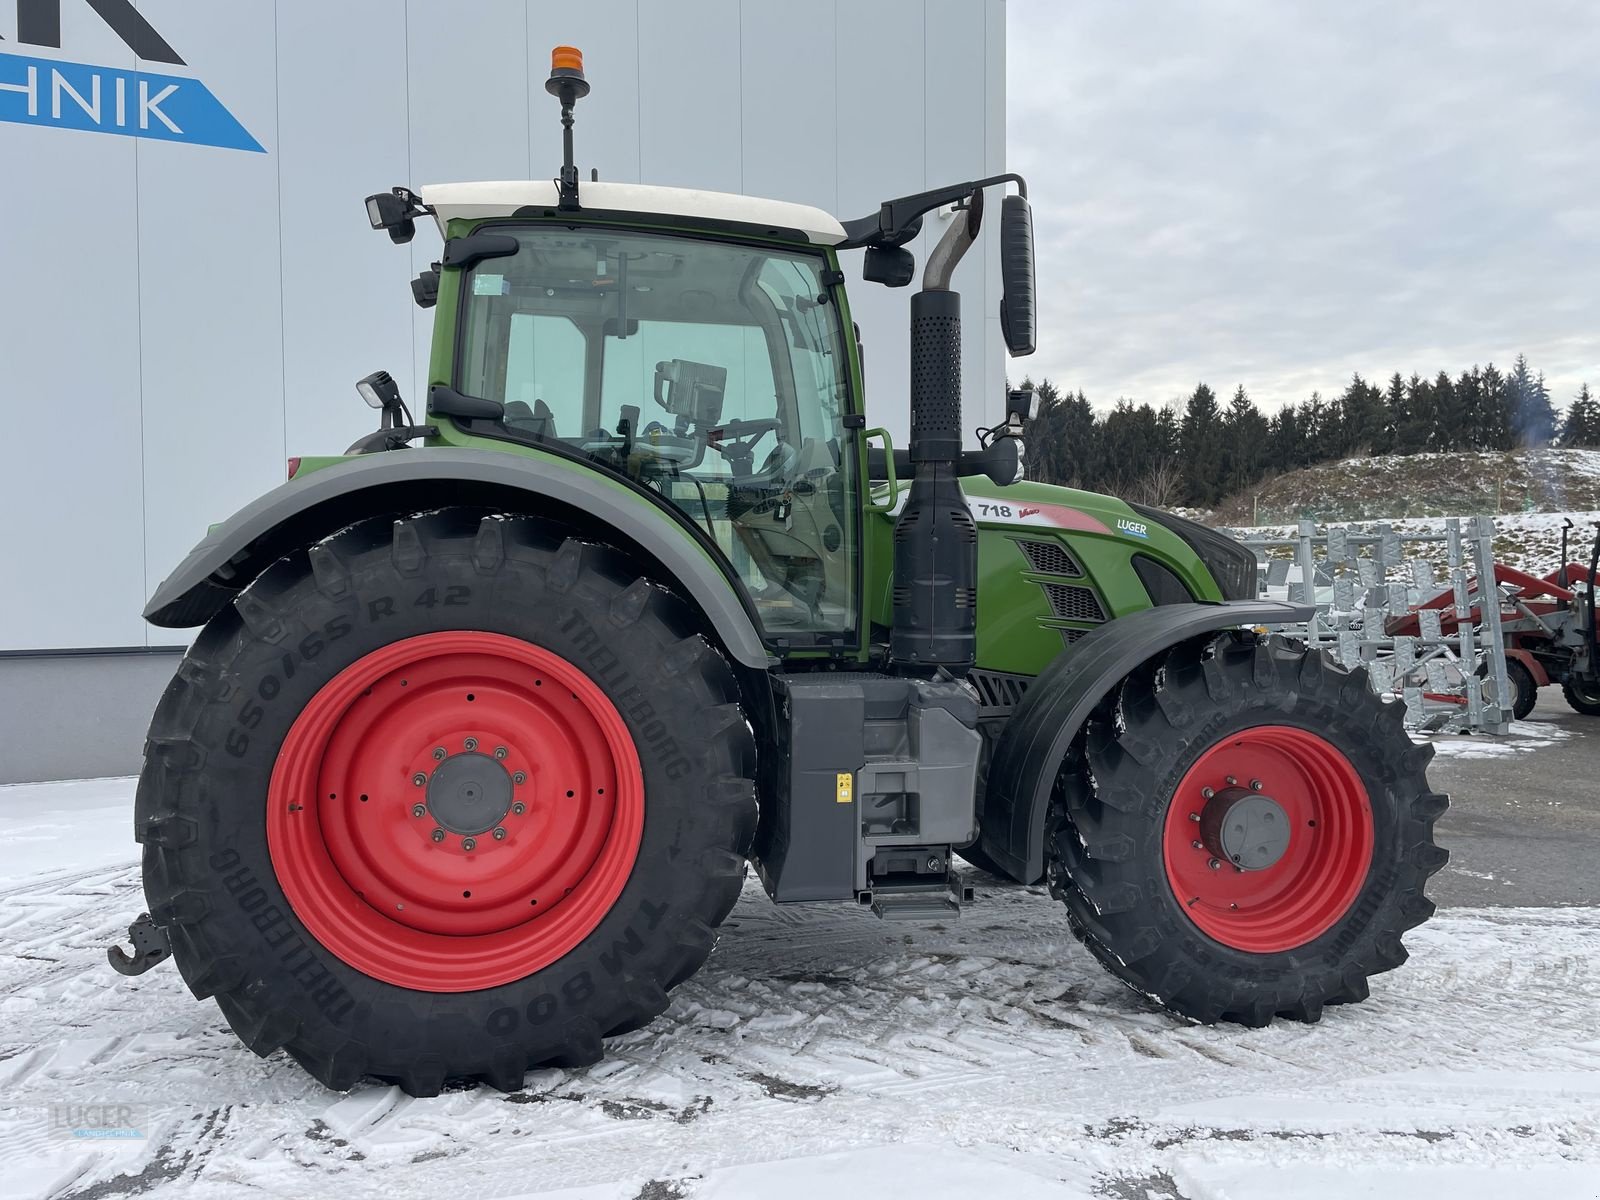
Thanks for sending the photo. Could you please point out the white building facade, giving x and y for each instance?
(194, 286)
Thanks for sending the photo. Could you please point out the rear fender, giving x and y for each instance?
(306, 510)
(1050, 715)
(1541, 677)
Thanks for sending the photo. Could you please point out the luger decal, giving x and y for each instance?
(72, 95)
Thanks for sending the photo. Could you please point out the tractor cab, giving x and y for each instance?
(696, 348)
(689, 343)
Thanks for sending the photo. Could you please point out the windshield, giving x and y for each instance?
(708, 372)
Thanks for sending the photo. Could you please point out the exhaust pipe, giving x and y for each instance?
(935, 621)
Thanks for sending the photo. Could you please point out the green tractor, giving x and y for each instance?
(487, 715)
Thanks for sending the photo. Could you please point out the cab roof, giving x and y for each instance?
(502, 198)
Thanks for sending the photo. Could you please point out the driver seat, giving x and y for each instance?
(538, 420)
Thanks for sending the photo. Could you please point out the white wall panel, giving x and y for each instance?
(878, 140)
(468, 74)
(197, 313)
(996, 363)
(210, 295)
(690, 126)
(69, 371)
(342, 135)
(790, 104)
(953, 100)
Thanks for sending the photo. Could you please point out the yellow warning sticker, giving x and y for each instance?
(844, 787)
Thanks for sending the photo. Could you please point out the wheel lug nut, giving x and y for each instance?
(438, 753)
(437, 835)
(499, 834)
(419, 810)
(519, 777)
(500, 751)
(1213, 864)
(1232, 782)
(519, 808)
(419, 779)
(470, 744)
(1194, 816)
(1206, 793)
(1198, 844)
(1255, 785)
(472, 844)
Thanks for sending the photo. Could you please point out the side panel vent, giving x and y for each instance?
(1050, 558)
(1068, 636)
(998, 691)
(1074, 603)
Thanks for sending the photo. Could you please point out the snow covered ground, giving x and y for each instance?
(1530, 542)
(820, 1053)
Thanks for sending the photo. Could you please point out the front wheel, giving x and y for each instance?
(1583, 694)
(445, 798)
(1524, 691)
(1246, 832)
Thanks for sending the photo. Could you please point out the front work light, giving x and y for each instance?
(379, 390)
(393, 211)
(1022, 405)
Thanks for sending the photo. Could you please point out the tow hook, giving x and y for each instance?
(150, 946)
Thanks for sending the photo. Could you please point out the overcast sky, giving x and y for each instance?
(1279, 194)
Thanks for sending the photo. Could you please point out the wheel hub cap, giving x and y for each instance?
(455, 811)
(470, 793)
(1245, 828)
(1268, 838)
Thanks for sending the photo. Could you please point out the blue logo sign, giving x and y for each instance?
(68, 95)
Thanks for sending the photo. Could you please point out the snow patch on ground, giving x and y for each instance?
(820, 1052)
(1535, 733)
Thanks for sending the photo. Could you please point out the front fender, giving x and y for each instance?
(306, 510)
(1047, 720)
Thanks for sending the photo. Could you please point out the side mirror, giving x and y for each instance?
(892, 266)
(1016, 275)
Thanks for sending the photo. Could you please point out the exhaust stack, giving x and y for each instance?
(935, 621)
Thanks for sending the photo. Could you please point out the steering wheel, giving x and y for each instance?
(736, 441)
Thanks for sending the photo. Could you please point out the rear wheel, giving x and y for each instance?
(445, 798)
(1246, 832)
(1583, 694)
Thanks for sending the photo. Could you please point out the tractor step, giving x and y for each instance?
(929, 901)
(927, 905)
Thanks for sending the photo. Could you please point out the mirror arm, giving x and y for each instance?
(898, 221)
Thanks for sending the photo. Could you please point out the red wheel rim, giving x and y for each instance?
(1321, 870)
(411, 742)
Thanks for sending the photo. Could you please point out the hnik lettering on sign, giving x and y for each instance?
(82, 96)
